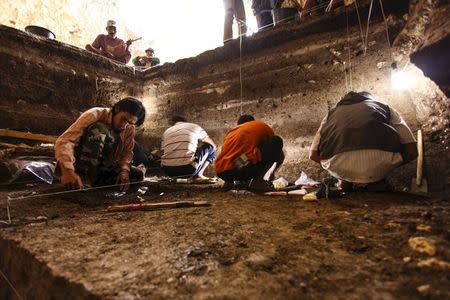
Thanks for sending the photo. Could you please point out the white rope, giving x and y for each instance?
(359, 21)
(240, 70)
(349, 52)
(367, 29)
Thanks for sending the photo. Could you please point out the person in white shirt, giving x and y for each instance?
(361, 140)
(187, 150)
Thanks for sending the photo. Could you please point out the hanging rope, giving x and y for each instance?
(240, 72)
(349, 52)
(367, 29)
(359, 21)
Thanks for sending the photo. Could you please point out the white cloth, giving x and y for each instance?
(368, 165)
(180, 142)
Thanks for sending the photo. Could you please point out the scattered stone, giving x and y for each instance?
(407, 259)
(307, 66)
(227, 261)
(336, 62)
(258, 262)
(381, 64)
(335, 52)
(292, 280)
(170, 280)
(434, 263)
(426, 215)
(423, 245)
(21, 102)
(424, 289)
(391, 224)
(423, 228)
(312, 81)
(371, 43)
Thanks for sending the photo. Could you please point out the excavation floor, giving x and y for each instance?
(242, 247)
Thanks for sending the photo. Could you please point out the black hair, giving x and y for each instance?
(244, 119)
(176, 118)
(133, 106)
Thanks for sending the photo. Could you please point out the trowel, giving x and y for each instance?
(419, 184)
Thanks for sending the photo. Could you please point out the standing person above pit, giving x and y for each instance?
(248, 152)
(146, 61)
(262, 9)
(233, 9)
(111, 46)
(97, 149)
(186, 149)
(361, 140)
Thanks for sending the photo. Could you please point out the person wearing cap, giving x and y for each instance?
(361, 140)
(146, 61)
(110, 46)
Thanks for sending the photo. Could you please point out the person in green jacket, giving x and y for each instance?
(146, 61)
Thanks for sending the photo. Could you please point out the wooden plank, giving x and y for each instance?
(154, 206)
(28, 136)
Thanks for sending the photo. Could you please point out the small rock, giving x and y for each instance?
(292, 280)
(423, 245)
(336, 62)
(307, 66)
(426, 215)
(258, 262)
(21, 102)
(392, 225)
(406, 259)
(170, 280)
(434, 263)
(334, 52)
(312, 81)
(423, 228)
(424, 289)
(381, 64)
(371, 43)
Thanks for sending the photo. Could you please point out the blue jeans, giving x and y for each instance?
(205, 150)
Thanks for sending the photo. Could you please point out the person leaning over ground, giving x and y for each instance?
(146, 61)
(187, 150)
(262, 9)
(361, 140)
(248, 152)
(97, 148)
(111, 46)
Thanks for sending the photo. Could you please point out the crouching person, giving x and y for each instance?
(361, 140)
(187, 150)
(249, 151)
(97, 149)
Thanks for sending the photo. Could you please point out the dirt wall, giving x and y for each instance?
(291, 77)
(45, 85)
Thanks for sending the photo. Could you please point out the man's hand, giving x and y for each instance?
(71, 180)
(124, 180)
(129, 43)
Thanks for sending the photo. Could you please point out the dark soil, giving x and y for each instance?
(243, 246)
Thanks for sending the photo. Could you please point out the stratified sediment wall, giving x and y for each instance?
(291, 76)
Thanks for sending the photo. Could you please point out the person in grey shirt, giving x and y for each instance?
(187, 150)
(361, 140)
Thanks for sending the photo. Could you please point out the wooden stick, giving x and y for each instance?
(27, 135)
(155, 206)
(419, 172)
